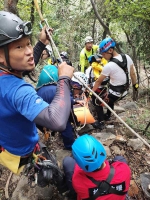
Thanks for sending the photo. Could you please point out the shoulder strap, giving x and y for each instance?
(123, 65)
(90, 76)
(104, 187)
(92, 51)
(86, 55)
(109, 178)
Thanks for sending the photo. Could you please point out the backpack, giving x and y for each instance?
(122, 65)
(104, 187)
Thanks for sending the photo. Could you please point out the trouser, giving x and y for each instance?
(112, 99)
(69, 165)
(98, 106)
(99, 109)
(68, 136)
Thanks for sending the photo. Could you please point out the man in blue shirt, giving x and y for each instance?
(21, 107)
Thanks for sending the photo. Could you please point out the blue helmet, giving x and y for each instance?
(88, 152)
(94, 58)
(49, 74)
(106, 44)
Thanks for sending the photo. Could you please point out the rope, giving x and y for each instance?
(144, 141)
(47, 31)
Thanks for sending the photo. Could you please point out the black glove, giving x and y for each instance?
(88, 94)
(60, 183)
(136, 87)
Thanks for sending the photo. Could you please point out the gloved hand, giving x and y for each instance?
(136, 86)
(135, 92)
(88, 94)
(60, 183)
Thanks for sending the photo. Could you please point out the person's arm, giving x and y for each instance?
(39, 47)
(98, 82)
(37, 51)
(56, 115)
(82, 61)
(133, 74)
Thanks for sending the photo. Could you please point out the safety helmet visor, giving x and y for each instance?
(23, 29)
(76, 85)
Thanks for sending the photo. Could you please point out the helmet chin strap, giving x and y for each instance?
(110, 54)
(8, 68)
(7, 58)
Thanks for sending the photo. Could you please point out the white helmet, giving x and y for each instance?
(81, 76)
(48, 49)
(88, 39)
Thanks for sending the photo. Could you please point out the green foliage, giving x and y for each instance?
(138, 121)
(1, 4)
(73, 20)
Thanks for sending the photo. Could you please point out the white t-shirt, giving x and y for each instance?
(89, 73)
(116, 73)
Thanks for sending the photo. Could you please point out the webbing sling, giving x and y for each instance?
(123, 66)
(86, 55)
(104, 187)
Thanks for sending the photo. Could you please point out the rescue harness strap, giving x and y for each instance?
(123, 65)
(104, 187)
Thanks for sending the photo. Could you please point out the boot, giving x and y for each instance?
(98, 125)
(106, 117)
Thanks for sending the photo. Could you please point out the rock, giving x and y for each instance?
(145, 182)
(86, 129)
(130, 106)
(110, 128)
(135, 143)
(15, 178)
(116, 150)
(24, 192)
(61, 154)
(108, 152)
(133, 190)
(120, 138)
(105, 138)
(119, 109)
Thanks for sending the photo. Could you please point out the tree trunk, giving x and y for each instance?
(105, 27)
(11, 6)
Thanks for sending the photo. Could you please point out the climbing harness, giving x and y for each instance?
(123, 66)
(104, 187)
(101, 92)
(43, 169)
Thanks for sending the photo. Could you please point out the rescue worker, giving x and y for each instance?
(119, 69)
(21, 107)
(90, 176)
(64, 57)
(97, 62)
(46, 89)
(86, 52)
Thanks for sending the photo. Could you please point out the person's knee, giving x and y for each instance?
(68, 161)
(120, 158)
